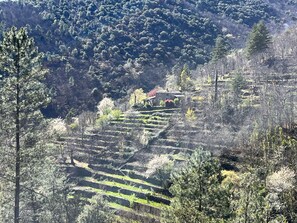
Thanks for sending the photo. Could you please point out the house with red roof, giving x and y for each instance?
(155, 96)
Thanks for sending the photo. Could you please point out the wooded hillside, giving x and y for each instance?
(168, 111)
(96, 47)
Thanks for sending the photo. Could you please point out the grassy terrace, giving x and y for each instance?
(97, 157)
(131, 199)
(132, 124)
(115, 176)
(137, 116)
(180, 142)
(94, 139)
(159, 110)
(191, 137)
(124, 130)
(126, 187)
(107, 153)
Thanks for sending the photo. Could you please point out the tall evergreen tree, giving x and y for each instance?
(22, 95)
(259, 39)
(198, 194)
(220, 50)
(96, 211)
(251, 206)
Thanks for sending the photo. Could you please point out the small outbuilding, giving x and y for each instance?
(155, 96)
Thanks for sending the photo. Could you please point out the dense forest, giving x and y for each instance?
(155, 111)
(114, 46)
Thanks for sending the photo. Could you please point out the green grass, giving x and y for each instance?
(141, 123)
(132, 188)
(85, 165)
(142, 116)
(129, 198)
(179, 156)
(131, 179)
(127, 130)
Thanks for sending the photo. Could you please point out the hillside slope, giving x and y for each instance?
(96, 47)
(114, 163)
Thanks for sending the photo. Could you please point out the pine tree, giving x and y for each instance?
(95, 212)
(259, 39)
(198, 194)
(251, 206)
(22, 95)
(220, 50)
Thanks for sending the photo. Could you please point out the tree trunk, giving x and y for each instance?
(17, 147)
(34, 207)
(216, 86)
(71, 157)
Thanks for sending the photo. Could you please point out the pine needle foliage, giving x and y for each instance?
(198, 194)
(259, 39)
(23, 94)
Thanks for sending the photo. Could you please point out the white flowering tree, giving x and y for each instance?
(105, 106)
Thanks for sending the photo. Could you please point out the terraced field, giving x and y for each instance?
(177, 143)
(114, 163)
(120, 160)
(104, 164)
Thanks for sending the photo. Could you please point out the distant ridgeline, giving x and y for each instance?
(94, 47)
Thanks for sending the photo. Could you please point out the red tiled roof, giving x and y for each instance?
(152, 93)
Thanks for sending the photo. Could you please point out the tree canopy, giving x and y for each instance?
(113, 46)
(23, 94)
(259, 39)
(220, 50)
(197, 191)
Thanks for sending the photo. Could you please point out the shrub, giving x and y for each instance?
(163, 174)
(162, 103)
(116, 114)
(57, 127)
(198, 98)
(73, 126)
(137, 97)
(190, 115)
(238, 83)
(102, 120)
(105, 106)
(230, 178)
(96, 211)
(176, 101)
(144, 137)
(209, 80)
(282, 180)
